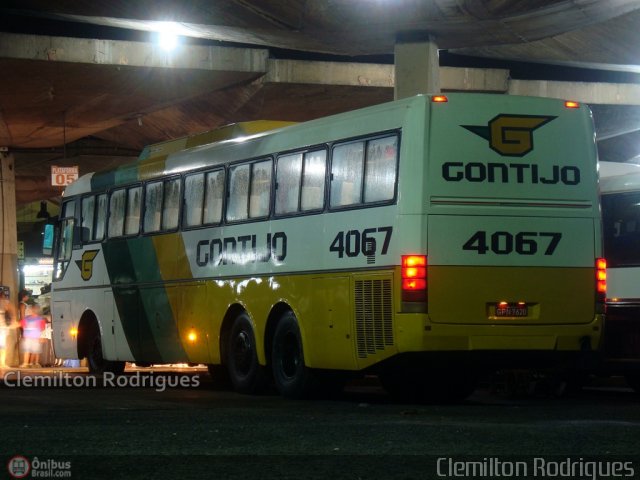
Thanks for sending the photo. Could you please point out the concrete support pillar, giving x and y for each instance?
(9, 355)
(8, 232)
(417, 68)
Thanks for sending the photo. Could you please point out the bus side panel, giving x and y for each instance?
(64, 344)
(327, 323)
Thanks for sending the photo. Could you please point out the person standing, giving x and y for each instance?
(23, 298)
(32, 327)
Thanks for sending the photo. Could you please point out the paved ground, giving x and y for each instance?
(195, 431)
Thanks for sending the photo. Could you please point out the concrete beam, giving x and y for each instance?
(451, 79)
(380, 75)
(492, 80)
(593, 93)
(133, 54)
(330, 73)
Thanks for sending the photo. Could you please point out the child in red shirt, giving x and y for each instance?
(32, 327)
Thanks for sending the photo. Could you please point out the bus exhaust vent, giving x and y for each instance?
(374, 319)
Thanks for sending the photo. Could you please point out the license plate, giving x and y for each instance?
(512, 311)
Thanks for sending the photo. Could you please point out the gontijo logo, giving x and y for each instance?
(510, 135)
(86, 264)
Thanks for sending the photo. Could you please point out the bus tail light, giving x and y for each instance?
(571, 104)
(414, 278)
(439, 99)
(601, 280)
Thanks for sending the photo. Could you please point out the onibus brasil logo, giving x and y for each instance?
(510, 135)
(20, 466)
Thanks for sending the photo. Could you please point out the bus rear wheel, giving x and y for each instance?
(96, 361)
(245, 372)
(292, 378)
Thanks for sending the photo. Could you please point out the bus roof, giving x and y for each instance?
(211, 149)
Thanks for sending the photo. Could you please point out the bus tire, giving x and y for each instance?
(245, 372)
(292, 378)
(97, 364)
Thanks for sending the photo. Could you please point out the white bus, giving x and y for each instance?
(620, 190)
(422, 240)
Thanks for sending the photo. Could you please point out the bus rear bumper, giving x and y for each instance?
(416, 334)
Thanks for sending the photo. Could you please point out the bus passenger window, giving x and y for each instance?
(238, 193)
(193, 196)
(88, 211)
(313, 180)
(152, 207)
(116, 213)
(101, 217)
(380, 169)
(171, 205)
(260, 189)
(213, 197)
(132, 219)
(288, 173)
(346, 174)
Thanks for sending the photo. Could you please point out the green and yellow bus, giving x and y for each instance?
(419, 240)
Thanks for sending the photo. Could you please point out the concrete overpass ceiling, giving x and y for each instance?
(84, 73)
(591, 31)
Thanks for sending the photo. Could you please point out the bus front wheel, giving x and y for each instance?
(245, 372)
(96, 361)
(292, 378)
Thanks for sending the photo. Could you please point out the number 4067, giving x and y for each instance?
(506, 243)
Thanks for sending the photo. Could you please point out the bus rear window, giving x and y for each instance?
(621, 228)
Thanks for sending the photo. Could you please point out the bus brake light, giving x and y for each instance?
(414, 278)
(601, 284)
(601, 276)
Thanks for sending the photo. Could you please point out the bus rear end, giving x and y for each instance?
(514, 269)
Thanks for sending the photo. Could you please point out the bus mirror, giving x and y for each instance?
(48, 235)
